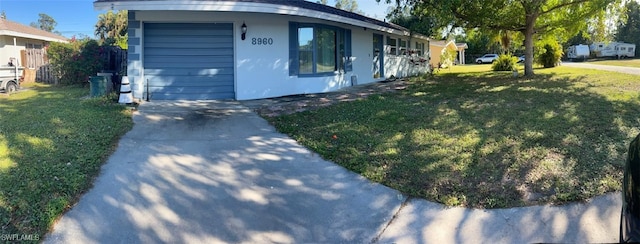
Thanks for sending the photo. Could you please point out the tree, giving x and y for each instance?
(322, 2)
(348, 5)
(45, 22)
(112, 27)
(629, 29)
(530, 17)
(581, 38)
(416, 24)
(3, 15)
(479, 42)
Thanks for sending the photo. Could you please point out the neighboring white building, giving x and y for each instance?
(15, 37)
(180, 49)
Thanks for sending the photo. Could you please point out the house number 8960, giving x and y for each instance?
(262, 41)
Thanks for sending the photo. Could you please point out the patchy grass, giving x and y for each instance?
(52, 144)
(621, 62)
(472, 137)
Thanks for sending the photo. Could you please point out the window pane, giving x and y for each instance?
(326, 50)
(305, 47)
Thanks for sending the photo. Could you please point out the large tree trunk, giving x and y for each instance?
(528, 44)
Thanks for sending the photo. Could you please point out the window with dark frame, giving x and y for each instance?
(318, 50)
(393, 46)
(403, 47)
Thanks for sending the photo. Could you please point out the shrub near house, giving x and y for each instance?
(76, 61)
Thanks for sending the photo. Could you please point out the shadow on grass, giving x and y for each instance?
(481, 140)
(52, 144)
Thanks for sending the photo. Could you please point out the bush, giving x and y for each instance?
(548, 53)
(505, 62)
(75, 61)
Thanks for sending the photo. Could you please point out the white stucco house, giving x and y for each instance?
(251, 49)
(15, 37)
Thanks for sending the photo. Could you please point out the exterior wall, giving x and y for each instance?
(436, 53)
(134, 56)
(263, 70)
(9, 50)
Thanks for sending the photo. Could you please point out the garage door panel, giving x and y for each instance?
(189, 72)
(198, 96)
(190, 32)
(191, 45)
(189, 61)
(169, 59)
(192, 89)
(186, 81)
(169, 65)
(185, 52)
(179, 40)
(188, 26)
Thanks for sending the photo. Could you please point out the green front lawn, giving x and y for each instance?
(472, 137)
(52, 144)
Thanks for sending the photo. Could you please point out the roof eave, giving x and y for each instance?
(30, 36)
(234, 6)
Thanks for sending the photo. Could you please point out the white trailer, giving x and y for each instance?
(626, 50)
(580, 52)
(613, 50)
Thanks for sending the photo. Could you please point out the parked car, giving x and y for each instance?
(630, 216)
(487, 58)
(521, 59)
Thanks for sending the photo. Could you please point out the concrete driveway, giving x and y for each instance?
(215, 172)
(210, 172)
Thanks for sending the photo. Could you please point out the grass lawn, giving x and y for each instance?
(622, 62)
(472, 137)
(52, 144)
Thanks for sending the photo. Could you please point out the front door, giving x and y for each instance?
(378, 56)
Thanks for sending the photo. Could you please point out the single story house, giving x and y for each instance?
(16, 37)
(252, 49)
(438, 48)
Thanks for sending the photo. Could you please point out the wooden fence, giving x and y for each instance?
(37, 67)
(115, 60)
(33, 58)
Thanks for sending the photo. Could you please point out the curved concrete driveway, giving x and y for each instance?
(215, 172)
(620, 69)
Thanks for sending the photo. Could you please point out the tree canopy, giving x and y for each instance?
(629, 28)
(348, 5)
(112, 27)
(530, 17)
(45, 22)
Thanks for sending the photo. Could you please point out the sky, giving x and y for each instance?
(77, 17)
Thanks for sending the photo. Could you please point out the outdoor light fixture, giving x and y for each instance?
(244, 30)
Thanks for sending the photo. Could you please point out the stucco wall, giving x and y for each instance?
(9, 50)
(263, 70)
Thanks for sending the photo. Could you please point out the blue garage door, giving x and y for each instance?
(189, 61)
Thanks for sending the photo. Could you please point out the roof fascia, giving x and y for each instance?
(30, 36)
(234, 6)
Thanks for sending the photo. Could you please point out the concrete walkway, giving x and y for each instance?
(621, 69)
(215, 172)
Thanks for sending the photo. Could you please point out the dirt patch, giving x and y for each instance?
(272, 107)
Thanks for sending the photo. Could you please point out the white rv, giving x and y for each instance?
(580, 52)
(626, 50)
(613, 49)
